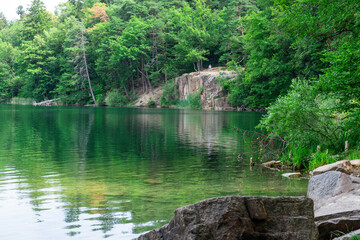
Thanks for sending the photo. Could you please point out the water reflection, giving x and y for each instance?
(91, 173)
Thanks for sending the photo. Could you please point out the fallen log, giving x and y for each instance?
(46, 102)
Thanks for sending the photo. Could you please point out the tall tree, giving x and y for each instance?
(9, 84)
(3, 21)
(36, 20)
(75, 46)
(36, 66)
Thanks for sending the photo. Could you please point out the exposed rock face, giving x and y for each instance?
(336, 198)
(212, 96)
(241, 218)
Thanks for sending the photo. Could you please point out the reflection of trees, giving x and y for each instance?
(83, 129)
(120, 166)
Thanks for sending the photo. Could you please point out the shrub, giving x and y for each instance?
(170, 95)
(305, 119)
(116, 98)
(321, 158)
(226, 83)
(22, 101)
(100, 99)
(193, 101)
(151, 103)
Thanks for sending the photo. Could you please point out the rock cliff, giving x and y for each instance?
(211, 93)
(205, 83)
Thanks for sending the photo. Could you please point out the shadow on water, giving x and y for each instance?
(90, 173)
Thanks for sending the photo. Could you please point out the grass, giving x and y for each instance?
(22, 101)
(151, 103)
(193, 101)
(116, 99)
(321, 158)
(353, 154)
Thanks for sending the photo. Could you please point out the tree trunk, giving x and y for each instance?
(142, 74)
(148, 80)
(132, 85)
(86, 66)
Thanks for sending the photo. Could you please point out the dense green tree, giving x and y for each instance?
(132, 46)
(3, 21)
(13, 34)
(8, 80)
(36, 20)
(37, 66)
(20, 11)
(75, 48)
(269, 65)
(325, 110)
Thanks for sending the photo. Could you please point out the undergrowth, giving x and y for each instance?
(193, 101)
(22, 101)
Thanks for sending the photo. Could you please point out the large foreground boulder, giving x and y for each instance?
(236, 218)
(336, 197)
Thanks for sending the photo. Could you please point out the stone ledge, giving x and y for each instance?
(241, 218)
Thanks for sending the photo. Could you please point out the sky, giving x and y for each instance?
(8, 7)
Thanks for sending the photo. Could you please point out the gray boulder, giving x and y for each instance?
(327, 185)
(336, 197)
(332, 224)
(239, 218)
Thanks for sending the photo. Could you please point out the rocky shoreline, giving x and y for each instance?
(335, 190)
(330, 209)
(211, 94)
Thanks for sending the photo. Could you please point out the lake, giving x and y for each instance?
(93, 173)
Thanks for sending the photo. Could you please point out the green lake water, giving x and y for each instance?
(93, 173)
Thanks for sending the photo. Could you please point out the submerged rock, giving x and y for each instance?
(241, 218)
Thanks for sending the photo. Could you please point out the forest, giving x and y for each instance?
(300, 59)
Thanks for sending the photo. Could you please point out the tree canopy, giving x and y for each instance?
(300, 59)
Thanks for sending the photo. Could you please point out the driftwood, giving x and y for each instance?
(46, 102)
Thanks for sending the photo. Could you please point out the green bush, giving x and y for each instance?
(319, 159)
(226, 83)
(22, 101)
(170, 94)
(151, 103)
(79, 97)
(100, 99)
(298, 156)
(305, 119)
(193, 101)
(116, 98)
